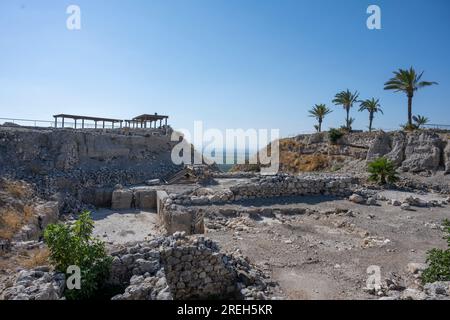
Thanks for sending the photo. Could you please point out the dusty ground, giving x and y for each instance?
(124, 226)
(323, 255)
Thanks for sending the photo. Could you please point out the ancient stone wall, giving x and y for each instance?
(286, 185)
(198, 271)
(179, 267)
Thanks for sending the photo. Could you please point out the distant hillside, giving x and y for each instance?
(415, 152)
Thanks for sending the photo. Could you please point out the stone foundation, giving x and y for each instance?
(183, 268)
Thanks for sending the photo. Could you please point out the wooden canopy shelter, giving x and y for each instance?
(147, 121)
(76, 118)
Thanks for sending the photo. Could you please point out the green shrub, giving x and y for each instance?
(334, 135)
(438, 262)
(382, 171)
(73, 245)
(409, 127)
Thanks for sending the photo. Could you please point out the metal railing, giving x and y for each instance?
(27, 122)
(437, 126)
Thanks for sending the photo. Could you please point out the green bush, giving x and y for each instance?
(438, 262)
(334, 135)
(73, 245)
(409, 127)
(382, 171)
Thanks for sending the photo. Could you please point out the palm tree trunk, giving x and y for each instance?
(410, 110)
(348, 115)
(320, 125)
(370, 122)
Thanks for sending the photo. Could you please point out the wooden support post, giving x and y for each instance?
(62, 122)
(56, 122)
(82, 124)
(96, 124)
(75, 123)
(103, 124)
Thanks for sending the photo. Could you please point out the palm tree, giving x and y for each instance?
(346, 99)
(420, 120)
(319, 111)
(407, 81)
(372, 106)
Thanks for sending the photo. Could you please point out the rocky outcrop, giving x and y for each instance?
(379, 147)
(417, 151)
(397, 152)
(422, 152)
(84, 165)
(447, 156)
(36, 284)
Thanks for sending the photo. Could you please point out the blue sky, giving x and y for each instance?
(232, 64)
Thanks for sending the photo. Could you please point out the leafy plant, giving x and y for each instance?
(382, 171)
(438, 261)
(372, 106)
(319, 111)
(420, 121)
(349, 126)
(409, 127)
(73, 245)
(334, 135)
(407, 81)
(346, 99)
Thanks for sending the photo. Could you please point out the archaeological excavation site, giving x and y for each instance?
(319, 229)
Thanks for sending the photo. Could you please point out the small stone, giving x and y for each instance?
(405, 206)
(356, 198)
(415, 268)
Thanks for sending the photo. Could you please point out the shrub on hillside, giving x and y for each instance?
(73, 245)
(408, 127)
(438, 261)
(334, 135)
(382, 171)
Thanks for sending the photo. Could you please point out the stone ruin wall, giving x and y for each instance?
(179, 268)
(198, 273)
(163, 268)
(185, 212)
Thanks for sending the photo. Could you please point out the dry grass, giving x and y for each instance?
(292, 161)
(290, 145)
(26, 259)
(34, 258)
(295, 163)
(17, 189)
(12, 220)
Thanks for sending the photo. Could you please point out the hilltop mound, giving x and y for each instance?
(424, 152)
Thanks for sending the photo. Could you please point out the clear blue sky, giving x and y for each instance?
(232, 64)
